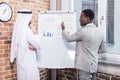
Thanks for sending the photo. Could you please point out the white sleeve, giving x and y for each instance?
(34, 40)
(102, 48)
(74, 37)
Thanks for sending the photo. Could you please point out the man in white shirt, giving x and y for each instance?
(89, 42)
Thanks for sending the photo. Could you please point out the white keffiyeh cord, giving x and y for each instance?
(18, 38)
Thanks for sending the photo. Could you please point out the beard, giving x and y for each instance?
(82, 24)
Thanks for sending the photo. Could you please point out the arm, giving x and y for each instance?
(74, 37)
(102, 48)
(33, 40)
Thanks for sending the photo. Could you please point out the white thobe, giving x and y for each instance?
(27, 67)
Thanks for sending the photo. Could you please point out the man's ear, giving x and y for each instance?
(88, 19)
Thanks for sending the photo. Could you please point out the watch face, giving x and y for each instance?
(5, 12)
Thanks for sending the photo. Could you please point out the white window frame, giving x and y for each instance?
(109, 63)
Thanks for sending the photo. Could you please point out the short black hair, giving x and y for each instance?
(89, 13)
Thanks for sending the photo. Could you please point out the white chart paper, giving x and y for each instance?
(55, 51)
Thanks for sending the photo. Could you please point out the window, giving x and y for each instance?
(113, 26)
(25, 0)
(110, 21)
(58, 4)
(62, 4)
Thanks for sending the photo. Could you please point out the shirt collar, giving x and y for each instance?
(89, 24)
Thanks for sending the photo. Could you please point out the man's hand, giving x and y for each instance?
(62, 26)
(33, 29)
(31, 47)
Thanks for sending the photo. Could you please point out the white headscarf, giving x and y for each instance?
(18, 38)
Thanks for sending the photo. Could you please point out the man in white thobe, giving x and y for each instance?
(23, 37)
